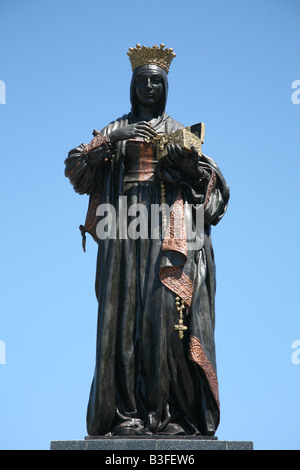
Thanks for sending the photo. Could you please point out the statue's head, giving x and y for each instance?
(149, 83)
(149, 87)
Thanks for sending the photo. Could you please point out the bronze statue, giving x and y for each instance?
(155, 370)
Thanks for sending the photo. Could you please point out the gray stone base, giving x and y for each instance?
(146, 443)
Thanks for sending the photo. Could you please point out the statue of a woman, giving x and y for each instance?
(155, 370)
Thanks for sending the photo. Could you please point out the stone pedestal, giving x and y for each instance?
(150, 443)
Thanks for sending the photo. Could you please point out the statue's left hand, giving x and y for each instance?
(186, 162)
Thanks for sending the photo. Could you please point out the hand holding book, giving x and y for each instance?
(186, 162)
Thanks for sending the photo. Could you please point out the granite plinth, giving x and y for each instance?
(118, 443)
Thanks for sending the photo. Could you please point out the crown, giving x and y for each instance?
(142, 55)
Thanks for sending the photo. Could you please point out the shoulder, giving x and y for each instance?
(171, 124)
(119, 122)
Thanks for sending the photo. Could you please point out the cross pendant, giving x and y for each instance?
(180, 328)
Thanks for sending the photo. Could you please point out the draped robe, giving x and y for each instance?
(144, 373)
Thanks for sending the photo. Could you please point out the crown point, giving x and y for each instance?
(171, 50)
(138, 46)
(162, 46)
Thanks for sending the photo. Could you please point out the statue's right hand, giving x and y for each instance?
(97, 155)
(138, 129)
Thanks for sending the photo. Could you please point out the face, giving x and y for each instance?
(149, 88)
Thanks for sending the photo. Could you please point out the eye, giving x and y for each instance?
(140, 79)
(155, 79)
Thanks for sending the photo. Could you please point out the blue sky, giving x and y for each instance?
(65, 70)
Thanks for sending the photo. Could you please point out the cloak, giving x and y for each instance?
(146, 378)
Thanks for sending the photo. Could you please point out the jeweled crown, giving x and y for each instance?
(155, 55)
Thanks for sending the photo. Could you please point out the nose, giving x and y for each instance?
(148, 84)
